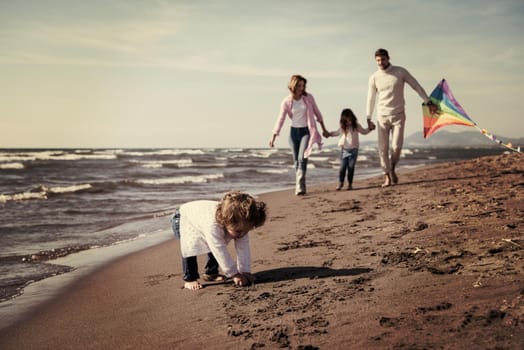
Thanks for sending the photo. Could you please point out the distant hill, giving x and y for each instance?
(445, 138)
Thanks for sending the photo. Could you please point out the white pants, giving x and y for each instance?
(394, 125)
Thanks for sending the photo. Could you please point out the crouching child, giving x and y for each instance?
(207, 227)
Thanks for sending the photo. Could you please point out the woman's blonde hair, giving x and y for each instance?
(237, 208)
(294, 81)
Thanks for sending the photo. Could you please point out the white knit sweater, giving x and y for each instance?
(389, 84)
(200, 234)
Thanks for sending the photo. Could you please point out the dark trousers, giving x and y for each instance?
(190, 264)
(190, 267)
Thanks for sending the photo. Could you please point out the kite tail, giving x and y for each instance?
(495, 139)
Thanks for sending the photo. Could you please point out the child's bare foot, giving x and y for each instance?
(349, 188)
(193, 285)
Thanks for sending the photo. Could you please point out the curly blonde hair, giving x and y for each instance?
(237, 208)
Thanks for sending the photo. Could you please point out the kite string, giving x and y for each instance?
(495, 139)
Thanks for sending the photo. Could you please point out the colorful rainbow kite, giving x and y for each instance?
(450, 112)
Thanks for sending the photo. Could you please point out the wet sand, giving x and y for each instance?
(435, 262)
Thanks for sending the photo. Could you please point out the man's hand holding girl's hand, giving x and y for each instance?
(371, 125)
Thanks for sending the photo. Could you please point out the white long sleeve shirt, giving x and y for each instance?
(389, 85)
(201, 234)
(349, 140)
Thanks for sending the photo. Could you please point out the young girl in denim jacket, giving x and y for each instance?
(348, 143)
(207, 227)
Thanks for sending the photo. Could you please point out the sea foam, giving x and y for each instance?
(181, 163)
(43, 192)
(12, 166)
(53, 155)
(180, 180)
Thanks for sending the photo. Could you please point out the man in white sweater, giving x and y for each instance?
(388, 82)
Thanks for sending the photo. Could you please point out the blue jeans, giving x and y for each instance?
(348, 159)
(190, 264)
(298, 140)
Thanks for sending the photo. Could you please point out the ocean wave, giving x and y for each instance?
(233, 150)
(26, 156)
(43, 192)
(94, 156)
(256, 153)
(162, 152)
(319, 159)
(180, 163)
(103, 151)
(180, 180)
(273, 171)
(12, 166)
(253, 173)
(22, 196)
(53, 155)
(67, 189)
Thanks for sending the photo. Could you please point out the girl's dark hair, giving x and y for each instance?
(240, 208)
(348, 119)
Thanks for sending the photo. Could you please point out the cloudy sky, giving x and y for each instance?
(209, 73)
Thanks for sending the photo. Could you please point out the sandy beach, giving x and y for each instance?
(435, 262)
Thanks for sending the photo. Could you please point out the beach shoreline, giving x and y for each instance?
(435, 261)
(91, 198)
(79, 264)
(69, 264)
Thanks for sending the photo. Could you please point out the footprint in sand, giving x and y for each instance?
(304, 244)
(439, 307)
(154, 280)
(390, 321)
